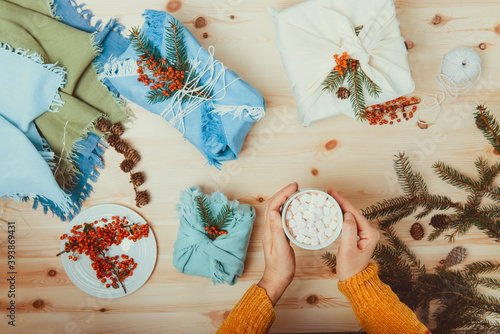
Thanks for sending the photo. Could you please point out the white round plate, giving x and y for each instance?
(143, 252)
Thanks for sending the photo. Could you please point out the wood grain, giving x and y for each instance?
(353, 157)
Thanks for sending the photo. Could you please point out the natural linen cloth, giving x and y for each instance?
(218, 126)
(309, 34)
(26, 160)
(30, 24)
(195, 253)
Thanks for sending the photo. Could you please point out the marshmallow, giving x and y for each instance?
(303, 208)
(292, 223)
(329, 203)
(329, 232)
(288, 215)
(295, 203)
(321, 200)
(295, 231)
(314, 241)
(309, 223)
(312, 232)
(306, 198)
(298, 216)
(307, 241)
(327, 211)
(301, 223)
(304, 230)
(300, 238)
(320, 226)
(333, 225)
(308, 215)
(322, 237)
(293, 210)
(320, 214)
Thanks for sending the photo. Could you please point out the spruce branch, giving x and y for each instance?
(371, 87)
(330, 260)
(488, 126)
(175, 45)
(333, 81)
(357, 97)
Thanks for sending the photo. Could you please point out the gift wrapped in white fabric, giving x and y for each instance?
(309, 34)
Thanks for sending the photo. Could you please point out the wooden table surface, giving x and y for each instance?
(352, 156)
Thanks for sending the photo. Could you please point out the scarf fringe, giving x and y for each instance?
(88, 158)
(37, 58)
(53, 9)
(219, 276)
(156, 21)
(115, 68)
(256, 113)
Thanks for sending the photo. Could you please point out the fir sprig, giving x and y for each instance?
(461, 303)
(357, 81)
(215, 226)
(166, 76)
(488, 126)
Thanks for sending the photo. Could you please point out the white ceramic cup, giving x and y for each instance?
(289, 233)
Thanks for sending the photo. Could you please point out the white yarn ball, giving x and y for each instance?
(461, 65)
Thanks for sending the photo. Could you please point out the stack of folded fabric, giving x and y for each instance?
(51, 101)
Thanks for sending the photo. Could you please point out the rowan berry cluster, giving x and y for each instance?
(214, 232)
(391, 111)
(94, 240)
(344, 63)
(167, 80)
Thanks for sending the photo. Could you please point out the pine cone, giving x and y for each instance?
(121, 146)
(127, 165)
(440, 221)
(137, 179)
(133, 155)
(343, 93)
(456, 256)
(103, 125)
(417, 231)
(113, 140)
(142, 198)
(118, 129)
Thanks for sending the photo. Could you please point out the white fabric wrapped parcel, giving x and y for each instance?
(309, 34)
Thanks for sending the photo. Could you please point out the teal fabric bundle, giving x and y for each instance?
(222, 259)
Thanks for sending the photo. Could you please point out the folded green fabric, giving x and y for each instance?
(30, 25)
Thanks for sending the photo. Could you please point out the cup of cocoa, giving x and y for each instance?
(312, 219)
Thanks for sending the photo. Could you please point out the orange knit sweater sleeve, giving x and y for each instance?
(254, 314)
(377, 308)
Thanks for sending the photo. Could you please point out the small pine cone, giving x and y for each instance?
(121, 146)
(343, 93)
(440, 221)
(118, 129)
(103, 125)
(133, 155)
(142, 198)
(137, 179)
(127, 165)
(456, 256)
(417, 231)
(113, 140)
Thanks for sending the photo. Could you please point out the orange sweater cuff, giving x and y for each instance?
(377, 307)
(254, 314)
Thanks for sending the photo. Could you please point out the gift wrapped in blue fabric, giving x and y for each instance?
(216, 125)
(195, 253)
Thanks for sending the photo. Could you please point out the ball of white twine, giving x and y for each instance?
(460, 71)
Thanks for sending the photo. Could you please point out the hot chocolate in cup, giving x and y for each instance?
(312, 219)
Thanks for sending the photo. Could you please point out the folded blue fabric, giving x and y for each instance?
(29, 88)
(195, 253)
(217, 126)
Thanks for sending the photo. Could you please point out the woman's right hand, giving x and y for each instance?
(354, 254)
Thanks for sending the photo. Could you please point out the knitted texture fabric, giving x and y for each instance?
(377, 308)
(254, 314)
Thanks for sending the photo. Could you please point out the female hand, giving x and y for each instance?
(354, 255)
(279, 256)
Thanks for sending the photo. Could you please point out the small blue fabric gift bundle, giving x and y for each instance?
(195, 253)
(217, 125)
